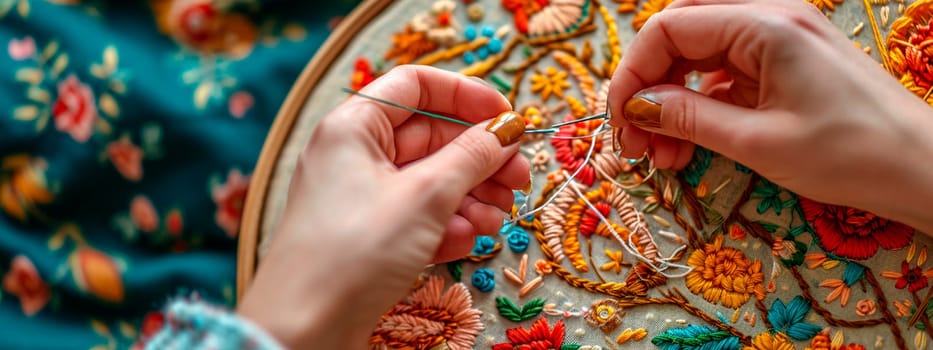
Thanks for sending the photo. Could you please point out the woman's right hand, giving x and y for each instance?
(799, 104)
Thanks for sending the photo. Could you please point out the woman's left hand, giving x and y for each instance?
(377, 195)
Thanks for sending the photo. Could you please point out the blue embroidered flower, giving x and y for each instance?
(492, 47)
(483, 279)
(484, 246)
(789, 319)
(516, 236)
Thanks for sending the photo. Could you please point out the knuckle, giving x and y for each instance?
(683, 116)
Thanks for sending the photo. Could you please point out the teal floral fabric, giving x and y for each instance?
(128, 134)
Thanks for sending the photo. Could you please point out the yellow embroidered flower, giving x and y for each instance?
(724, 275)
(615, 261)
(648, 9)
(605, 314)
(23, 185)
(552, 81)
(768, 341)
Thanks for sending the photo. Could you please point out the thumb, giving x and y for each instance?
(472, 157)
(685, 114)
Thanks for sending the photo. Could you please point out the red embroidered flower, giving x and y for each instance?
(229, 198)
(144, 214)
(362, 74)
(240, 103)
(538, 337)
(911, 278)
(75, 110)
(853, 233)
(174, 222)
(22, 49)
(522, 10)
(24, 282)
(571, 153)
(127, 158)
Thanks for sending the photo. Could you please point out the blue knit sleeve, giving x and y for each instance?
(195, 325)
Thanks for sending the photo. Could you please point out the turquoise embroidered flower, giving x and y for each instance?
(516, 237)
(484, 246)
(484, 280)
(494, 46)
(788, 319)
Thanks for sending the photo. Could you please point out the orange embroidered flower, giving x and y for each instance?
(615, 262)
(24, 282)
(97, 273)
(768, 341)
(910, 55)
(552, 81)
(127, 158)
(866, 307)
(648, 9)
(408, 45)
(439, 23)
(23, 185)
(539, 336)
(432, 317)
(605, 314)
(204, 27)
(724, 275)
(825, 4)
(840, 290)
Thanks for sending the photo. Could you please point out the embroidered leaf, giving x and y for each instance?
(59, 66)
(640, 192)
(5, 8)
(696, 337)
(127, 330)
(532, 308)
(570, 347)
(789, 318)
(56, 241)
(103, 126)
(26, 113)
(742, 168)
(853, 273)
(98, 71)
(456, 269)
(38, 94)
(110, 58)
(799, 254)
(771, 228)
(202, 94)
(118, 87)
(100, 328)
(43, 120)
(702, 158)
(50, 50)
(23, 9)
(109, 105)
(513, 313)
(151, 140)
(32, 76)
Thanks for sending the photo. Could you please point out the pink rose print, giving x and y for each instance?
(24, 282)
(144, 214)
(240, 103)
(229, 198)
(75, 109)
(22, 49)
(127, 158)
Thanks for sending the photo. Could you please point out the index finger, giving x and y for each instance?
(735, 33)
(433, 90)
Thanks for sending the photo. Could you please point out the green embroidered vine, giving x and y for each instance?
(513, 313)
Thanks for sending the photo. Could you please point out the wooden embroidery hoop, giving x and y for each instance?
(254, 207)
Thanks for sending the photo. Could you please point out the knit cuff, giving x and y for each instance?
(194, 324)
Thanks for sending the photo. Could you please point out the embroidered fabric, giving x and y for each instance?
(711, 257)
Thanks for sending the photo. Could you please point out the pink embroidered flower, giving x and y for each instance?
(22, 49)
(174, 222)
(24, 282)
(127, 158)
(240, 103)
(75, 109)
(144, 214)
(431, 317)
(229, 198)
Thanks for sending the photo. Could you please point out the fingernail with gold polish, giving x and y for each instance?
(508, 127)
(527, 189)
(643, 112)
